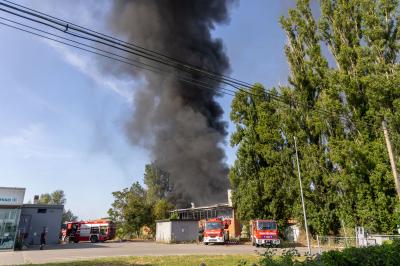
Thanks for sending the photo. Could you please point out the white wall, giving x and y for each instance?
(292, 233)
(185, 231)
(11, 196)
(163, 231)
(177, 231)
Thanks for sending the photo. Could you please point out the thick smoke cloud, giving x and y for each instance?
(179, 123)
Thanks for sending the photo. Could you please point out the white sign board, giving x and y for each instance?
(10, 196)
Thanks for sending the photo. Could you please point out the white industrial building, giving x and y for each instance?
(25, 222)
(175, 231)
(11, 200)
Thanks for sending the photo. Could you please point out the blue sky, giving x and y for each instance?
(61, 121)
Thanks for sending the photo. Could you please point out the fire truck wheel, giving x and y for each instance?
(76, 241)
(205, 243)
(94, 239)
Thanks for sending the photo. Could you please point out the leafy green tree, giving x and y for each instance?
(68, 216)
(119, 205)
(354, 181)
(174, 216)
(58, 197)
(136, 207)
(161, 209)
(364, 45)
(344, 81)
(309, 93)
(130, 209)
(157, 182)
(45, 199)
(262, 176)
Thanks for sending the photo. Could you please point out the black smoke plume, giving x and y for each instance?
(180, 123)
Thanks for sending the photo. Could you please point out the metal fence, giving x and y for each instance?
(324, 243)
(335, 242)
(380, 239)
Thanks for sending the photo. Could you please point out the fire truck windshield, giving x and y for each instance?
(266, 225)
(213, 225)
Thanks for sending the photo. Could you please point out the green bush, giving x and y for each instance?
(385, 254)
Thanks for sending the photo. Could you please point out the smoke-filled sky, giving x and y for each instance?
(65, 120)
(179, 123)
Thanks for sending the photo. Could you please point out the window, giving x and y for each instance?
(8, 227)
(94, 230)
(213, 225)
(41, 210)
(266, 225)
(103, 230)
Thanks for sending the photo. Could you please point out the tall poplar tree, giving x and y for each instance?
(344, 80)
(261, 177)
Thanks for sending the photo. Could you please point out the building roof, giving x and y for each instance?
(177, 220)
(15, 188)
(215, 206)
(47, 206)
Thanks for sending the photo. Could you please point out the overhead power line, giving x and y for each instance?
(137, 50)
(222, 79)
(113, 56)
(179, 68)
(67, 27)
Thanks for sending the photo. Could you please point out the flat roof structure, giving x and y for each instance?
(47, 206)
(205, 212)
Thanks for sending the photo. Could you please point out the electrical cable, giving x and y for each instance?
(101, 42)
(70, 26)
(193, 82)
(148, 54)
(113, 54)
(113, 38)
(224, 90)
(52, 20)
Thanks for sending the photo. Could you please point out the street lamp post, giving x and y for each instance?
(302, 197)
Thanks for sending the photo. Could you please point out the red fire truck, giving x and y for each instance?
(264, 232)
(93, 231)
(215, 231)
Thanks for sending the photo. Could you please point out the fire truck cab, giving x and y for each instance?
(264, 232)
(93, 231)
(215, 231)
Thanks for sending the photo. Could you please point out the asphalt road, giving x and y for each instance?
(80, 251)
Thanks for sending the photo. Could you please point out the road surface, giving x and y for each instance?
(81, 251)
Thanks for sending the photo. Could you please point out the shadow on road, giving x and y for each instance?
(66, 246)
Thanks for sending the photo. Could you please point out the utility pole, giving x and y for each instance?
(391, 157)
(302, 197)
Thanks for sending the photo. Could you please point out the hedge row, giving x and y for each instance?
(385, 254)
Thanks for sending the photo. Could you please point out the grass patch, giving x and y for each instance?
(188, 260)
(385, 254)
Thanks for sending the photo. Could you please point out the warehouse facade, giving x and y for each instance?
(223, 211)
(11, 200)
(175, 231)
(38, 218)
(26, 222)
